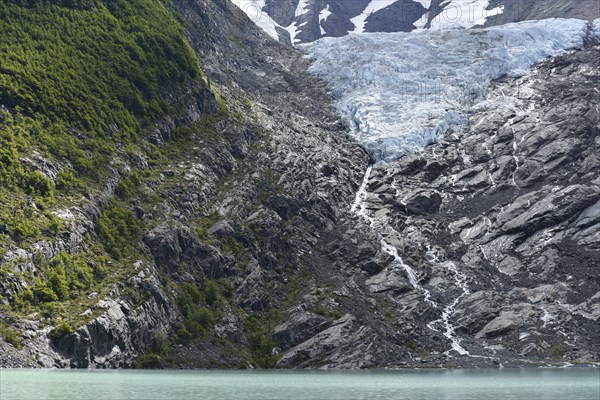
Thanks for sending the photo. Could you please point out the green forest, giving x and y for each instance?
(80, 84)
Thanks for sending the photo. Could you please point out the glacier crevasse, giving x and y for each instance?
(398, 92)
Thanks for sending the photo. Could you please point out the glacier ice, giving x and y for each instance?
(398, 92)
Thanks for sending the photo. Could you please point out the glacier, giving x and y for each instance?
(399, 92)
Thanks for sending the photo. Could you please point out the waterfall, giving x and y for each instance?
(449, 330)
(359, 208)
(359, 202)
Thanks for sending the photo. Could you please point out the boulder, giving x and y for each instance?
(298, 328)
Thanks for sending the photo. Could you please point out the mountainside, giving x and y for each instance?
(179, 191)
(302, 21)
(201, 230)
(399, 92)
(84, 87)
(494, 228)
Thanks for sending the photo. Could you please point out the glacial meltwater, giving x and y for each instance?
(504, 384)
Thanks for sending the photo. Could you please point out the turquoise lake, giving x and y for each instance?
(501, 384)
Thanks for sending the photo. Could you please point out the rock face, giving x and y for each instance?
(496, 230)
(517, 217)
(515, 10)
(121, 331)
(344, 345)
(302, 21)
(258, 202)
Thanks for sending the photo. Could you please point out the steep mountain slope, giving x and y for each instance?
(302, 21)
(222, 222)
(410, 294)
(204, 229)
(499, 220)
(83, 86)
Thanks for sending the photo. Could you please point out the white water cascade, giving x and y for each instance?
(359, 208)
(448, 330)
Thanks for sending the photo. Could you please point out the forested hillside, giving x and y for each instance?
(82, 86)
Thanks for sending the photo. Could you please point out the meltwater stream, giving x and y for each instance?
(360, 209)
(448, 311)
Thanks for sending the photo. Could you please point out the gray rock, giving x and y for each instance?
(423, 203)
(476, 310)
(506, 323)
(389, 280)
(122, 332)
(329, 345)
(222, 229)
(300, 327)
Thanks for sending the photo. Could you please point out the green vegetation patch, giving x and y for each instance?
(81, 81)
(10, 336)
(201, 307)
(94, 67)
(260, 342)
(118, 230)
(64, 277)
(63, 329)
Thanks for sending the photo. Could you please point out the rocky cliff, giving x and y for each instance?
(497, 221)
(303, 21)
(240, 239)
(229, 214)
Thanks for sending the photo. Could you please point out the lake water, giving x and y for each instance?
(502, 384)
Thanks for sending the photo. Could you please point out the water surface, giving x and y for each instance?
(502, 384)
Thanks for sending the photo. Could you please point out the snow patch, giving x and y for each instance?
(254, 10)
(323, 15)
(398, 92)
(294, 28)
(464, 14)
(361, 20)
(421, 22)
